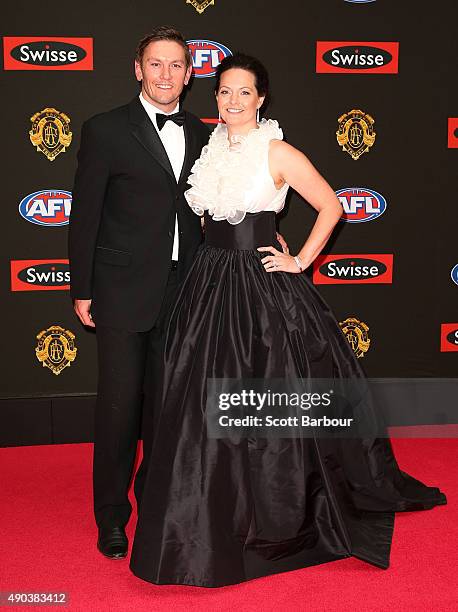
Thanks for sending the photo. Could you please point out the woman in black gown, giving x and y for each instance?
(221, 511)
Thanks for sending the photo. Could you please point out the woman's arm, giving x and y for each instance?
(290, 165)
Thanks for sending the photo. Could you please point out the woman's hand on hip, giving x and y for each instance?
(278, 261)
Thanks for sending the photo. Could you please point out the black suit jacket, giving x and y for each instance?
(122, 221)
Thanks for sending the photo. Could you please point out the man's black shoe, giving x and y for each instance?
(112, 542)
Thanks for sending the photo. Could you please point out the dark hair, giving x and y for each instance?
(251, 64)
(163, 33)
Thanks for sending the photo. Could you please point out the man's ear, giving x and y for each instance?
(138, 71)
(188, 75)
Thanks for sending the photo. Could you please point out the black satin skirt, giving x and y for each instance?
(216, 512)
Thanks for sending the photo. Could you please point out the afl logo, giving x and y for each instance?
(454, 274)
(52, 53)
(357, 57)
(207, 55)
(50, 207)
(361, 204)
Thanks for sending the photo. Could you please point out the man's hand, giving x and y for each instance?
(281, 240)
(83, 310)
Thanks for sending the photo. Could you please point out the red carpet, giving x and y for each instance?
(48, 544)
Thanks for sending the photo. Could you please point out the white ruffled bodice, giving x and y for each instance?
(229, 181)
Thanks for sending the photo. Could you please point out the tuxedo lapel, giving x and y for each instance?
(191, 152)
(145, 132)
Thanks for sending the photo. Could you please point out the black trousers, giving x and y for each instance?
(125, 359)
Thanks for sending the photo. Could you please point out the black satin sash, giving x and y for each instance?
(257, 229)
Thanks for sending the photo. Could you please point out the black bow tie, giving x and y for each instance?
(177, 118)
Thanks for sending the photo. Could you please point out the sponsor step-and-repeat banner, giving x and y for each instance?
(365, 88)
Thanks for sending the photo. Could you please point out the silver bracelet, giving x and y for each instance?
(299, 263)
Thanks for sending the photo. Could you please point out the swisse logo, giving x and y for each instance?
(207, 55)
(449, 337)
(49, 207)
(40, 275)
(357, 57)
(48, 53)
(343, 269)
(452, 133)
(51, 53)
(361, 204)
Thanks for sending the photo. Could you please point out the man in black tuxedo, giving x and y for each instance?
(132, 239)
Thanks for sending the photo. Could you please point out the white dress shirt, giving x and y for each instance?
(172, 137)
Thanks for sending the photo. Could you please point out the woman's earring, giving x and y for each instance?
(219, 117)
(257, 116)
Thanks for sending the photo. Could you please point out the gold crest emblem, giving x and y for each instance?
(356, 333)
(200, 5)
(56, 348)
(356, 133)
(50, 132)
